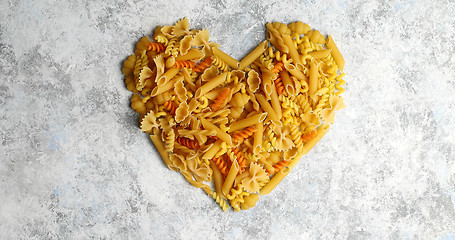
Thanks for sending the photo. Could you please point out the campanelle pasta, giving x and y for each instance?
(235, 128)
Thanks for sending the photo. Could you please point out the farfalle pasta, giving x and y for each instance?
(235, 128)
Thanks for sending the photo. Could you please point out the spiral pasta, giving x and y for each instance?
(172, 48)
(235, 191)
(279, 66)
(235, 203)
(219, 63)
(280, 165)
(339, 85)
(296, 136)
(189, 143)
(156, 47)
(267, 61)
(240, 159)
(203, 65)
(222, 166)
(240, 136)
(170, 107)
(220, 99)
(220, 201)
(169, 141)
(184, 64)
(278, 56)
(322, 103)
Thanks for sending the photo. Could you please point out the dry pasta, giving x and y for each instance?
(239, 126)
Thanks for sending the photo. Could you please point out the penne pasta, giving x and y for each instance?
(252, 55)
(226, 58)
(267, 107)
(227, 185)
(249, 121)
(313, 84)
(292, 50)
(295, 72)
(167, 76)
(275, 181)
(320, 54)
(166, 87)
(258, 135)
(210, 85)
(219, 133)
(276, 105)
(335, 53)
(217, 177)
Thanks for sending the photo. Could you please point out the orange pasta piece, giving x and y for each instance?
(156, 47)
(280, 165)
(240, 159)
(219, 100)
(170, 107)
(191, 144)
(221, 164)
(278, 67)
(203, 65)
(279, 85)
(184, 64)
(242, 135)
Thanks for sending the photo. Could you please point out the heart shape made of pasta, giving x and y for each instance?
(235, 128)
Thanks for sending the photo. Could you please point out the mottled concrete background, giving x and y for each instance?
(74, 164)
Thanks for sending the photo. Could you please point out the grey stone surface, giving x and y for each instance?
(74, 164)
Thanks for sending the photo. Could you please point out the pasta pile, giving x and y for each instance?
(235, 129)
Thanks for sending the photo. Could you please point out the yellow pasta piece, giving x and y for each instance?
(226, 58)
(252, 55)
(244, 123)
(211, 84)
(219, 133)
(292, 50)
(267, 107)
(227, 185)
(336, 53)
(167, 76)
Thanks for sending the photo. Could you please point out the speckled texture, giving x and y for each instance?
(74, 164)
